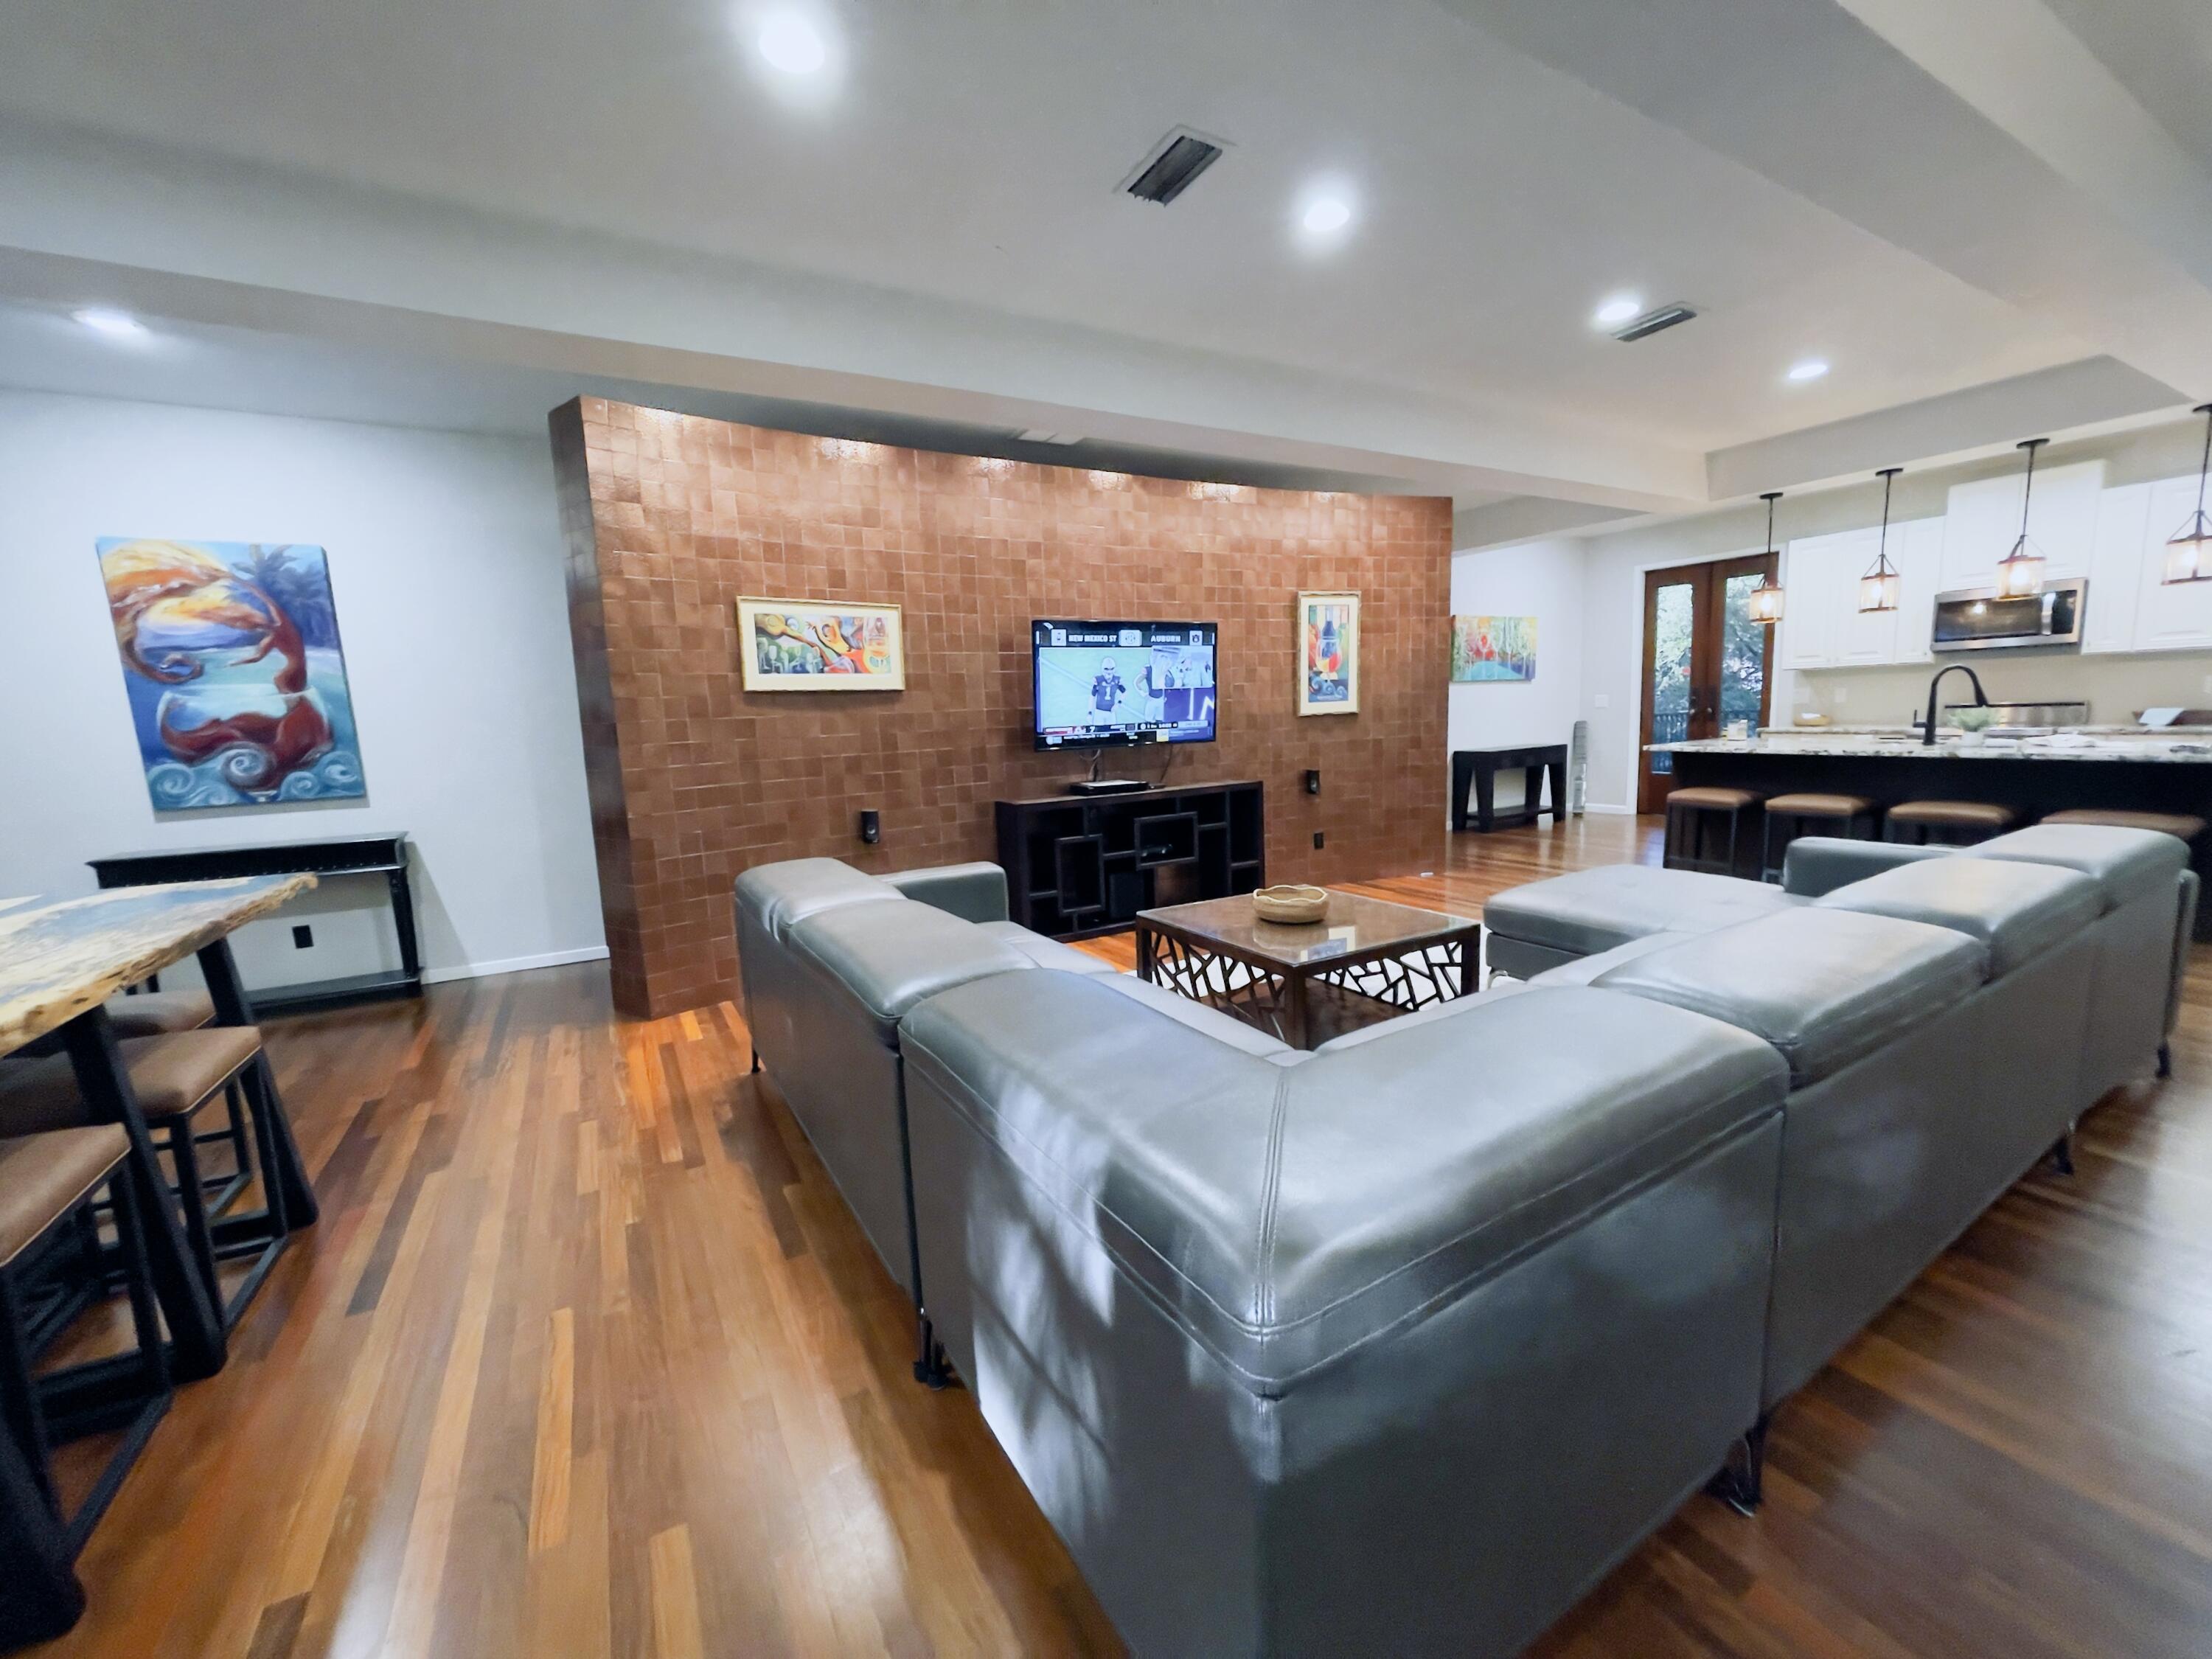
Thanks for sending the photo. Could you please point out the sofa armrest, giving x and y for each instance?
(973, 892)
(1818, 864)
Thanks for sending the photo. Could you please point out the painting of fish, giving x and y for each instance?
(234, 673)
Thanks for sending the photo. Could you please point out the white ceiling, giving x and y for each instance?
(516, 197)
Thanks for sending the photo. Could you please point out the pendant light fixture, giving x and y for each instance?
(1765, 603)
(2189, 550)
(2020, 572)
(1878, 588)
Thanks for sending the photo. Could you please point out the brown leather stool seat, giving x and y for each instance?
(2177, 824)
(44, 1176)
(152, 1012)
(173, 1075)
(1812, 812)
(1693, 815)
(1952, 823)
(45, 1180)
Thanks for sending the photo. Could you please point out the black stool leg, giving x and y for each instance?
(19, 1401)
(192, 1199)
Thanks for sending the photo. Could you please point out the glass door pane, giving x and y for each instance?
(1743, 658)
(1673, 627)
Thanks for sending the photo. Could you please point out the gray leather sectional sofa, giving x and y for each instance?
(1400, 1345)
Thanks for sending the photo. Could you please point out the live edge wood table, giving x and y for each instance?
(60, 960)
(1366, 960)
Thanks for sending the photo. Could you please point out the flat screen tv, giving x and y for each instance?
(1103, 684)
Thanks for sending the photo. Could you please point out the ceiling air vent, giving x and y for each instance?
(1652, 321)
(1174, 163)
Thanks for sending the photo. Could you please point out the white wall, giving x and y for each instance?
(446, 561)
(1543, 580)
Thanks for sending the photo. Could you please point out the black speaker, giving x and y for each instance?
(871, 828)
(1313, 782)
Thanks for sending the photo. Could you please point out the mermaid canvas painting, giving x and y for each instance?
(235, 675)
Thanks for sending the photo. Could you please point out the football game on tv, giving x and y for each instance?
(1105, 684)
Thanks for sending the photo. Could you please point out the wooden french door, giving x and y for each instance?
(1706, 664)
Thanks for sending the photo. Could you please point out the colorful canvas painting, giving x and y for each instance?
(236, 678)
(1494, 649)
(1328, 650)
(799, 645)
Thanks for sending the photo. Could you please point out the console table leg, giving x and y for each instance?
(1485, 796)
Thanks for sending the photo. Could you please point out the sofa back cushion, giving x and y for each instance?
(1285, 1215)
(1823, 986)
(2018, 910)
(889, 955)
(2125, 863)
(775, 896)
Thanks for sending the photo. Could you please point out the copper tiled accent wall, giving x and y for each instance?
(669, 518)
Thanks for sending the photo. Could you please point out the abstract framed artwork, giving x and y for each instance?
(811, 645)
(1328, 654)
(236, 676)
(1494, 649)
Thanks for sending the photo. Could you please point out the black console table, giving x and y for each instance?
(334, 855)
(1077, 865)
(1481, 767)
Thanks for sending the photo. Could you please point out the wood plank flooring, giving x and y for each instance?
(588, 1358)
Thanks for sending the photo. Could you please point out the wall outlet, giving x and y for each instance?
(1604, 699)
(2208, 684)
(303, 936)
(1843, 694)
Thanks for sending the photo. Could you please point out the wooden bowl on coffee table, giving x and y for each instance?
(1292, 905)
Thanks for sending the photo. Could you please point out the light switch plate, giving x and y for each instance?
(1843, 694)
(1604, 700)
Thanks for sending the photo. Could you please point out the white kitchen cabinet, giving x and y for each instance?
(1915, 547)
(1981, 521)
(1812, 611)
(2178, 618)
(2117, 569)
(1864, 639)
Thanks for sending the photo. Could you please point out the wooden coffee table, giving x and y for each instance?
(1366, 960)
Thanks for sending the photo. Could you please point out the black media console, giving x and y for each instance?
(1077, 866)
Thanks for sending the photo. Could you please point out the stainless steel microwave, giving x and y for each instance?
(1983, 619)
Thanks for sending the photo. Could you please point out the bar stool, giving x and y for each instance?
(2177, 824)
(174, 1076)
(1692, 813)
(45, 1180)
(149, 1013)
(1809, 814)
(1949, 823)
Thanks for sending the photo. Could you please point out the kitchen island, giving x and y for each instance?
(2124, 768)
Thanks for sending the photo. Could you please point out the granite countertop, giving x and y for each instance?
(2172, 747)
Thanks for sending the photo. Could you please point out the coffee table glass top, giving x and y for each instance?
(1355, 926)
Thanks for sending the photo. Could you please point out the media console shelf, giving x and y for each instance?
(1077, 865)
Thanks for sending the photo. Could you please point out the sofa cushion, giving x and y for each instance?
(890, 955)
(1585, 970)
(1047, 952)
(973, 892)
(1813, 865)
(1824, 987)
(1222, 1028)
(1282, 1217)
(2018, 910)
(2126, 863)
(1594, 910)
(778, 895)
(1429, 1015)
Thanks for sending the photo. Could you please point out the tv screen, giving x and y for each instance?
(1100, 684)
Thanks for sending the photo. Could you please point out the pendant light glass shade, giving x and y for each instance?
(2020, 572)
(1765, 604)
(1879, 587)
(2189, 550)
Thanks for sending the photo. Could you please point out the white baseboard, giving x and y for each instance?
(1609, 812)
(513, 965)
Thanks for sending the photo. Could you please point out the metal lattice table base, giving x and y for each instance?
(1305, 1009)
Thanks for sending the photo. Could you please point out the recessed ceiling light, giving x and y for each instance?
(115, 325)
(1811, 369)
(1325, 215)
(1618, 309)
(792, 44)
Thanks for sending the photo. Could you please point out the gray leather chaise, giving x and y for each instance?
(1400, 1345)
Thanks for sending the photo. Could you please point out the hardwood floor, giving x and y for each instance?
(587, 1357)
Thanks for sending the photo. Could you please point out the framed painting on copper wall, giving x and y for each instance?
(820, 644)
(1328, 654)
